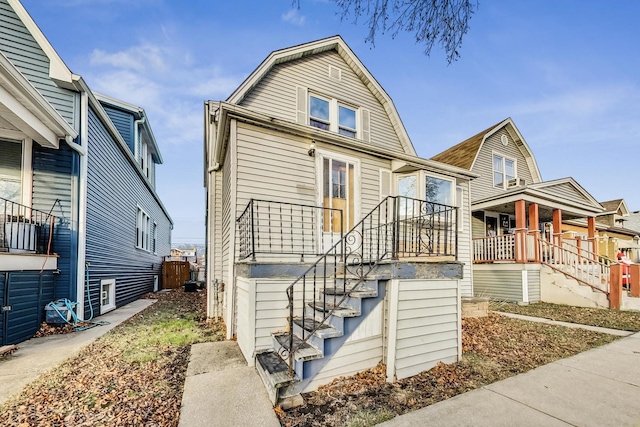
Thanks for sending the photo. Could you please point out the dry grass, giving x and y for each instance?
(613, 319)
(133, 375)
(495, 348)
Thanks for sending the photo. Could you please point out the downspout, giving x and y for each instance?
(82, 205)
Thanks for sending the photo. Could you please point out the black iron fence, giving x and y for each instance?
(267, 227)
(398, 227)
(23, 229)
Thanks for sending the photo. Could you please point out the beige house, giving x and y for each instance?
(522, 250)
(331, 245)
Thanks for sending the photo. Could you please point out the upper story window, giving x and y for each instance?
(329, 114)
(504, 170)
(11, 171)
(347, 121)
(319, 113)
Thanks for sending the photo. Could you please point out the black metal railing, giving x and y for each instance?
(23, 229)
(268, 227)
(398, 227)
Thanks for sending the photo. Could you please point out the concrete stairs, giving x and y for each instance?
(335, 312)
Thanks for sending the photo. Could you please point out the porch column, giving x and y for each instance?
(521, 232)
(634, 278)
(534, 230)
(557, 227)
(591, 235)
(615, 286)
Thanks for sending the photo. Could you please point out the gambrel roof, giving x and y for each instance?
(337, 44)
(464, 154)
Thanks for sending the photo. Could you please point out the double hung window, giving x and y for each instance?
(331, 115)
(504, 170)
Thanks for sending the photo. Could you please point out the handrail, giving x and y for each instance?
(397, 227)
(24, 229)
(572, 262)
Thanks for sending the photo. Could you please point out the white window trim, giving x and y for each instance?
(155, 238)
(26, 172)
(504, 169)
(112, 295)
(143, 229)
(334, 104)
(357, 185)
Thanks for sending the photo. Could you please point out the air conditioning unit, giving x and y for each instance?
(516, 182)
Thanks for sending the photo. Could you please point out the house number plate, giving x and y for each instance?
(6, 308)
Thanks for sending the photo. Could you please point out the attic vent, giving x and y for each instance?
(335, 73)
(504, 140)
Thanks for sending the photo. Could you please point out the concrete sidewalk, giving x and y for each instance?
(39, 355)
(221, 390)
(600, 387)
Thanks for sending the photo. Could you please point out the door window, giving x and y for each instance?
(338, 193)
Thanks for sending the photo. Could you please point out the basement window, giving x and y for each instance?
(107, 295)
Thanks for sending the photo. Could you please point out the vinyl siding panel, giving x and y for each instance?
(27, 293)
(114, 192)
(533, 280)
(23, 51)
(123, 121)
(275, 94)
(246, 330)
(54, 190)
(567, 191)
(273, 166)
(482, 186)
(502, 283)
(427, 328)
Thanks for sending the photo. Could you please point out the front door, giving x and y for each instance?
(492, 225)
(339, 177)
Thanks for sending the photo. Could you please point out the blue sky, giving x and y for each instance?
(566, 72)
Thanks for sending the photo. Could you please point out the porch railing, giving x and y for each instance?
(23, 229)
(268, 227)
(580, 264)
(398, 227)
(494, 248)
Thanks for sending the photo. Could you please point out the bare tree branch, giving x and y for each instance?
(431, 21)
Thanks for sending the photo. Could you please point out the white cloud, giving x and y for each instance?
(294, 17)
(140, 58)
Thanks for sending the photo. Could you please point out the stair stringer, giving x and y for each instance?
(558, 288)
(332, 346)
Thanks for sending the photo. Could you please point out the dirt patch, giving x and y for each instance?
(494, 348)
(133, 375)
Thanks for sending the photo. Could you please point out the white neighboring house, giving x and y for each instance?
(331, 246)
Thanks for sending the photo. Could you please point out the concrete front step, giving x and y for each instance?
(274, 373)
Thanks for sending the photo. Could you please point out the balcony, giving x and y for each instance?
(26, 235)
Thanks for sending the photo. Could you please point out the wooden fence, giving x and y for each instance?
(175, 273)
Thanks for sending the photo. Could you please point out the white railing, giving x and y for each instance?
(494, 248)
(577, 263)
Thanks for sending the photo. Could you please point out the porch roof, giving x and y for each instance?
(549, 196)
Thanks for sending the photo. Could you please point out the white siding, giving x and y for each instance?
(465, 254)
(427, 326)
(482, 186)
(502, 282)
(276, 93)
(245, 300)
(277, 167)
